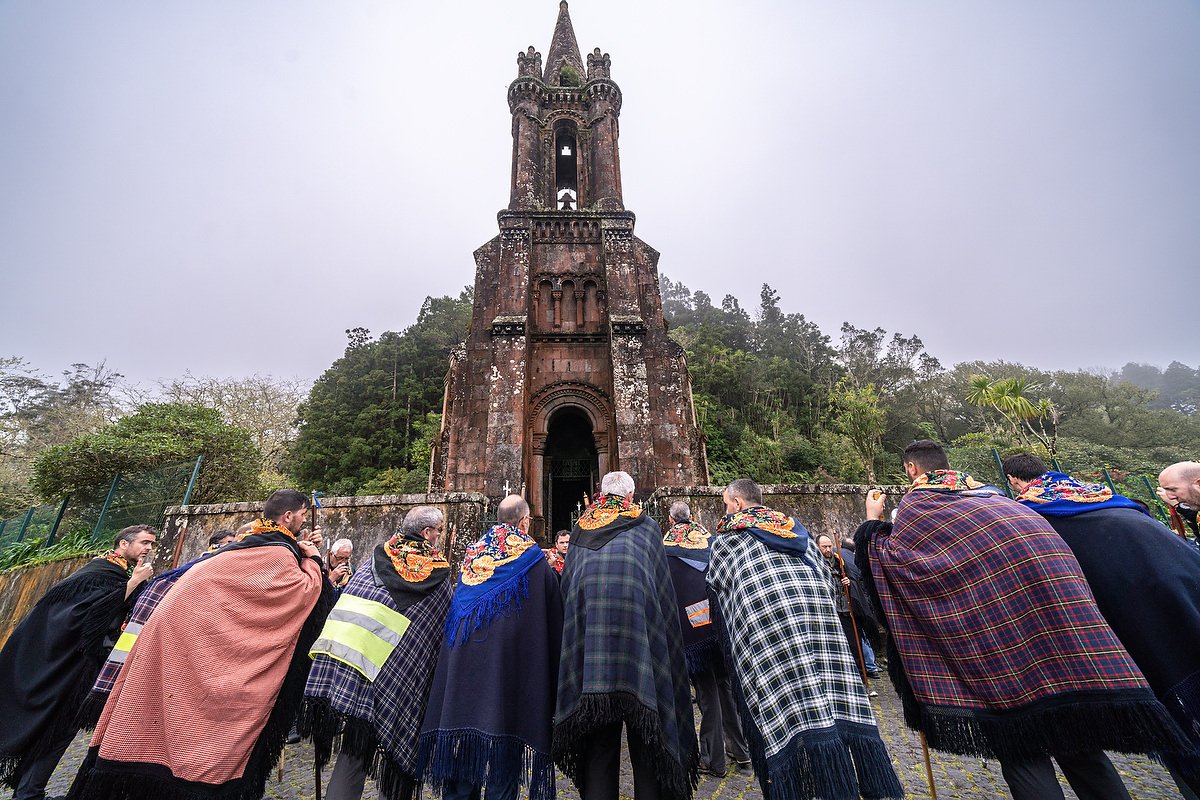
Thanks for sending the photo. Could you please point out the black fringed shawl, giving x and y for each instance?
(622, 656)
(1146, 581)
(992, 576)
(49, 662)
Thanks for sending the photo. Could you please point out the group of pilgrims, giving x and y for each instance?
(1053, 627)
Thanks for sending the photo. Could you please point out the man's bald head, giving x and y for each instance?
(512, 510)
(1181, 482)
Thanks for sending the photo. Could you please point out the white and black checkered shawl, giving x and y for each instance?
(804, 708)
(379, 721)
(622, 653)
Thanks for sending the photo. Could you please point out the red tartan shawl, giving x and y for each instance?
(999, 636)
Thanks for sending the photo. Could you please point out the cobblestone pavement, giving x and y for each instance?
(956, 778)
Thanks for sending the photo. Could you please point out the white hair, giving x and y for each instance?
(680, 511)
(617, 483)
(341, 543)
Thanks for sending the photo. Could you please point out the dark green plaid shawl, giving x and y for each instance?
(622, 654)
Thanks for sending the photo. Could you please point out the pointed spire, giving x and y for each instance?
(564, 67)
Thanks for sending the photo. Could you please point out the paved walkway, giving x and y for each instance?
(956, 778)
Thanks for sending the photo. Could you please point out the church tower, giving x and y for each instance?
(567, 371)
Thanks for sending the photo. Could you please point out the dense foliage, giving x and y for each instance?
(369, 421)
(155, 435)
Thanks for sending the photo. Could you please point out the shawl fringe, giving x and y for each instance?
(820, 765)
(91, 710)
(477, 758)
(333, 732)
(700, 656)
(1131, 725)
(571, 735)
(461, 623)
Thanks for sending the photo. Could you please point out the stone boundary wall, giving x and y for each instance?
(837, 509)
(366, 521)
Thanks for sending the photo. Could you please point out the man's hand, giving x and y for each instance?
(337, 573)
(845, 581)
(141, 573)
(1162, 494)
(308, 549)
(875, 502)
(315, 536)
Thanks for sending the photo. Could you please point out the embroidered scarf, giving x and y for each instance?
(494, 579)
(688, 540)
(776, 530)
(265, 525)
(948, 480)
(119, 561)
(409, 568)
(1055, 494)
(607, 516)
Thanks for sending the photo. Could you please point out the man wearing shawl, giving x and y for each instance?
(804, 707)
(1002, 652)
(1146, 582)
(203, 704)
(373, 663)
(490, 712)
(622, 658)
(49, 662)
(686, 545)
(1179, 485)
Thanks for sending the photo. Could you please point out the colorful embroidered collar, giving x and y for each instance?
(494, 577)
(687, 540)
(606, 509)
(949, 480)
(265, 525)
(119, 561)
(774, 529)
(773, 522)
(414, 559)
(1055, 494)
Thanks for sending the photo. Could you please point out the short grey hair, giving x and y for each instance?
(680, 511)
(420, 518)
(617, 483)
(341, 544)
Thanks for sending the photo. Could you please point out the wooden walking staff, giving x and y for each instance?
(316, 505)
(862, 662)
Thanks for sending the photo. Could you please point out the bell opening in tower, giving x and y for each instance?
(566, 170)
(571, 468)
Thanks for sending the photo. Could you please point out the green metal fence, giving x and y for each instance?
(94, 515)
(984, 463)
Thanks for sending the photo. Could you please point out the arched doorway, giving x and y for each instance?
(571, 467)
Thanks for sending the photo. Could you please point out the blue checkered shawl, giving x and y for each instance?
(622, 655)
(804, 708)
(378, 722)
(1004, 652)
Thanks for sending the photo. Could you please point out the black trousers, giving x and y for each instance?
(350, 776)
(1091, 775)
(38, 768)
(720, 727)
(600, 773)
(855, 649)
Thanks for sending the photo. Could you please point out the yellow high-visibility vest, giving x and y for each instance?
(361, 634)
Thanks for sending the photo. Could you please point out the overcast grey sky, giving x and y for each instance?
(224, 187)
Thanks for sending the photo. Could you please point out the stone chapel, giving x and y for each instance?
(567, 371)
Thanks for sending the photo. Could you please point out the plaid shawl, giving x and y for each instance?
(378, 722)
(147, 601)
(1004, 652)
(171, 729)
(804, 708)
(622, 656)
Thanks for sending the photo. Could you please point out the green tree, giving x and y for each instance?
(861, 421)
(156, 435)
(365, 421)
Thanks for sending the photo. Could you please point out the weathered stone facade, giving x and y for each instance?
(567, 371)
